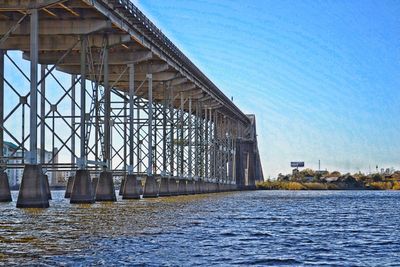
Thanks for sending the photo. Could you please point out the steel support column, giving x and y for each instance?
(206, 145)
(131, 115)
(171, 135)
(42, 112)
(1, 109)
(150, 126)
(189, 159)
(107, 111)
(164, 132)
(73, 126)
(82, 160)
(34, 58)
(181, 136)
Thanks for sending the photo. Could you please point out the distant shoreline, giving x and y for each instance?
(295, 186)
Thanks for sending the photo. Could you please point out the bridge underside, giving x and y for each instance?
(108, 95)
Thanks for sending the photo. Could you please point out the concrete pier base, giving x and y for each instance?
(47, 186)
(82, 190)
(105, 190)
(5, 192)
(32, 192)
(183, 187)
(190, 187)
(132, 187)
(122, 186)
(220, 187)
(205, 187)
(197, 189)
(164, 188)
(95, 182)
(151, 187)
(213, 187)
(200, 187)
(173, 187)
(70, 184)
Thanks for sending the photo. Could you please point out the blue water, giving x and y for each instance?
(264, 228)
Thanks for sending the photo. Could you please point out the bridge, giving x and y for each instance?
(109, 97)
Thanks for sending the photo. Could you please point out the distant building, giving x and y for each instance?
(322, 172)
(10, 150)
(15, 157)
(330, 179)
(308, 178)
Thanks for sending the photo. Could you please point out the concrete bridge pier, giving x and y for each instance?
(190, 187)
(206, 187)
(32, 192)
(222, 187)
(132, 187)
(173, 187)
(197, 187)
(209, 187)
(47, 186)
(151, 187)
(82, 189)
(122, 186)
(213, 187)
(105, 190)
(5, 193)
(95, 182)
(164, 188)
(183, 187)
(70, 184)
(202, 187)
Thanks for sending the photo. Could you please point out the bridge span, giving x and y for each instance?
(110, 97)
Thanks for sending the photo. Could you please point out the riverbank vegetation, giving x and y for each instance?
(309, 179)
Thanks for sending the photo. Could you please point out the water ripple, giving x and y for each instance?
(270, 228)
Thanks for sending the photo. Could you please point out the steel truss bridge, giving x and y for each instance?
(133, 106)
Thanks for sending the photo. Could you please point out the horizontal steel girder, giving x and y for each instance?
(58, 27)
(116, 58)
(17, 5)
(62, 42)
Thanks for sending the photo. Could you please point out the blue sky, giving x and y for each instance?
(322, 77)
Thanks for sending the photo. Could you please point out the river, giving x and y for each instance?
(265, 228)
